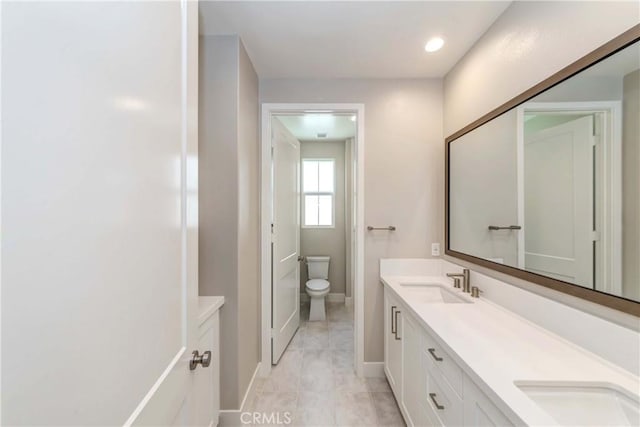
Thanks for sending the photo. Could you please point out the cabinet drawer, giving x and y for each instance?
(442, 401)
(436, 357)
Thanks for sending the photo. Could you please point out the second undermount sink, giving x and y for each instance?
(433, 293)
(584, 404)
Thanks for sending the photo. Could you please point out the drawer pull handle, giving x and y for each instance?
(432, 352)
(439, 407)
(393, 328)
(396, 332)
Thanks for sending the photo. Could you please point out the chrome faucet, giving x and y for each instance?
(466, 285)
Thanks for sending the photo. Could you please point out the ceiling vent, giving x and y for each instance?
(322, 135)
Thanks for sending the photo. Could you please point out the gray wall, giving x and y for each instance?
(528, 43)
(403, 170)
(249, 304)
(484, 181)
(631, 187)
(328, 241)
(228, 206)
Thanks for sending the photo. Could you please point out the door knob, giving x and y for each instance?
(204, 359)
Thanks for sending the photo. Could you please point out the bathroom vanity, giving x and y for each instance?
(454, 360)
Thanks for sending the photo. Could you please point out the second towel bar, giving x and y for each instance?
(389, 228)
(509, 227)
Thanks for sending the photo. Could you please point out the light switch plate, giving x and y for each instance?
(435, 249)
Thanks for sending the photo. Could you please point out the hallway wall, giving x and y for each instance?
(403, 134)
(229, 206)
(529, 42)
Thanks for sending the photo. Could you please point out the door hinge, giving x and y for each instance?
(595, 236)
(272, 231)
(596, 131)
(273, 333)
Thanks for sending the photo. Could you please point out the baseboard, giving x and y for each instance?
(251, 390)
(330, 298)
(348, 301)
(373, 369)
(231, 417)
(336, 298)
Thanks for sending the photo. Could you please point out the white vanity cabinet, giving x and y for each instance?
(393, 343)
(430, 387)
(478, 409)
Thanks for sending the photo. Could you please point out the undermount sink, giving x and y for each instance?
(433, 293)
(584, 404)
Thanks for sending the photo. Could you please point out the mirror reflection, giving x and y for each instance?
(553, 185)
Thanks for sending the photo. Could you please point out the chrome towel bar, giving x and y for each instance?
(389, 228)
(508, 227)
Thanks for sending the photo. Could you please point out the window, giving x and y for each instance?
(318, 189)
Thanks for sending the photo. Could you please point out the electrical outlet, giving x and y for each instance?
(435, 249)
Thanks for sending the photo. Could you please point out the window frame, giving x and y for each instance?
(317, 193)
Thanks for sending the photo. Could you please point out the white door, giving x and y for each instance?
(99, 218)
(285, 283)
(558, 204)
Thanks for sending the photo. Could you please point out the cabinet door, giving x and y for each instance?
(413, 375)
(393, 344)
(206, 388)
(479, 410)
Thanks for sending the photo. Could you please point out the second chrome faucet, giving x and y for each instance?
(466, 285)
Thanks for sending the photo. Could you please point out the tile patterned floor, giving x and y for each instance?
(315, 382)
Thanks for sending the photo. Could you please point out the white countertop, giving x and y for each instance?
(207, 306)
(496, 347)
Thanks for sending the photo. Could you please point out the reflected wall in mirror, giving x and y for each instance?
(552, 185)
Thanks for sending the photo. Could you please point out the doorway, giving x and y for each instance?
(569, 163)
(313, 212)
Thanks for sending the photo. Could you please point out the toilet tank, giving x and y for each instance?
(318, 267)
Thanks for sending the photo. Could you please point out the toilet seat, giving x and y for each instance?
(317, 285)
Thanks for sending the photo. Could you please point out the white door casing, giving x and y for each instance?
(286, 238)
(266, 202)
(99, 212)
(559, 200)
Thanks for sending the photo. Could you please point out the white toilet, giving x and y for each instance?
(317, 286)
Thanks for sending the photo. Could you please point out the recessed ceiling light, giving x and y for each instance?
(434, 44)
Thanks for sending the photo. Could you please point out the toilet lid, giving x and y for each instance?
(317, 284)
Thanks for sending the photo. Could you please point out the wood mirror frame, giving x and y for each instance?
(618, 303)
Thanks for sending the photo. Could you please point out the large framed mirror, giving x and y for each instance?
(546, 187)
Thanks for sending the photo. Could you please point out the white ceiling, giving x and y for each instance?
(350, 39)
(305, 127)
